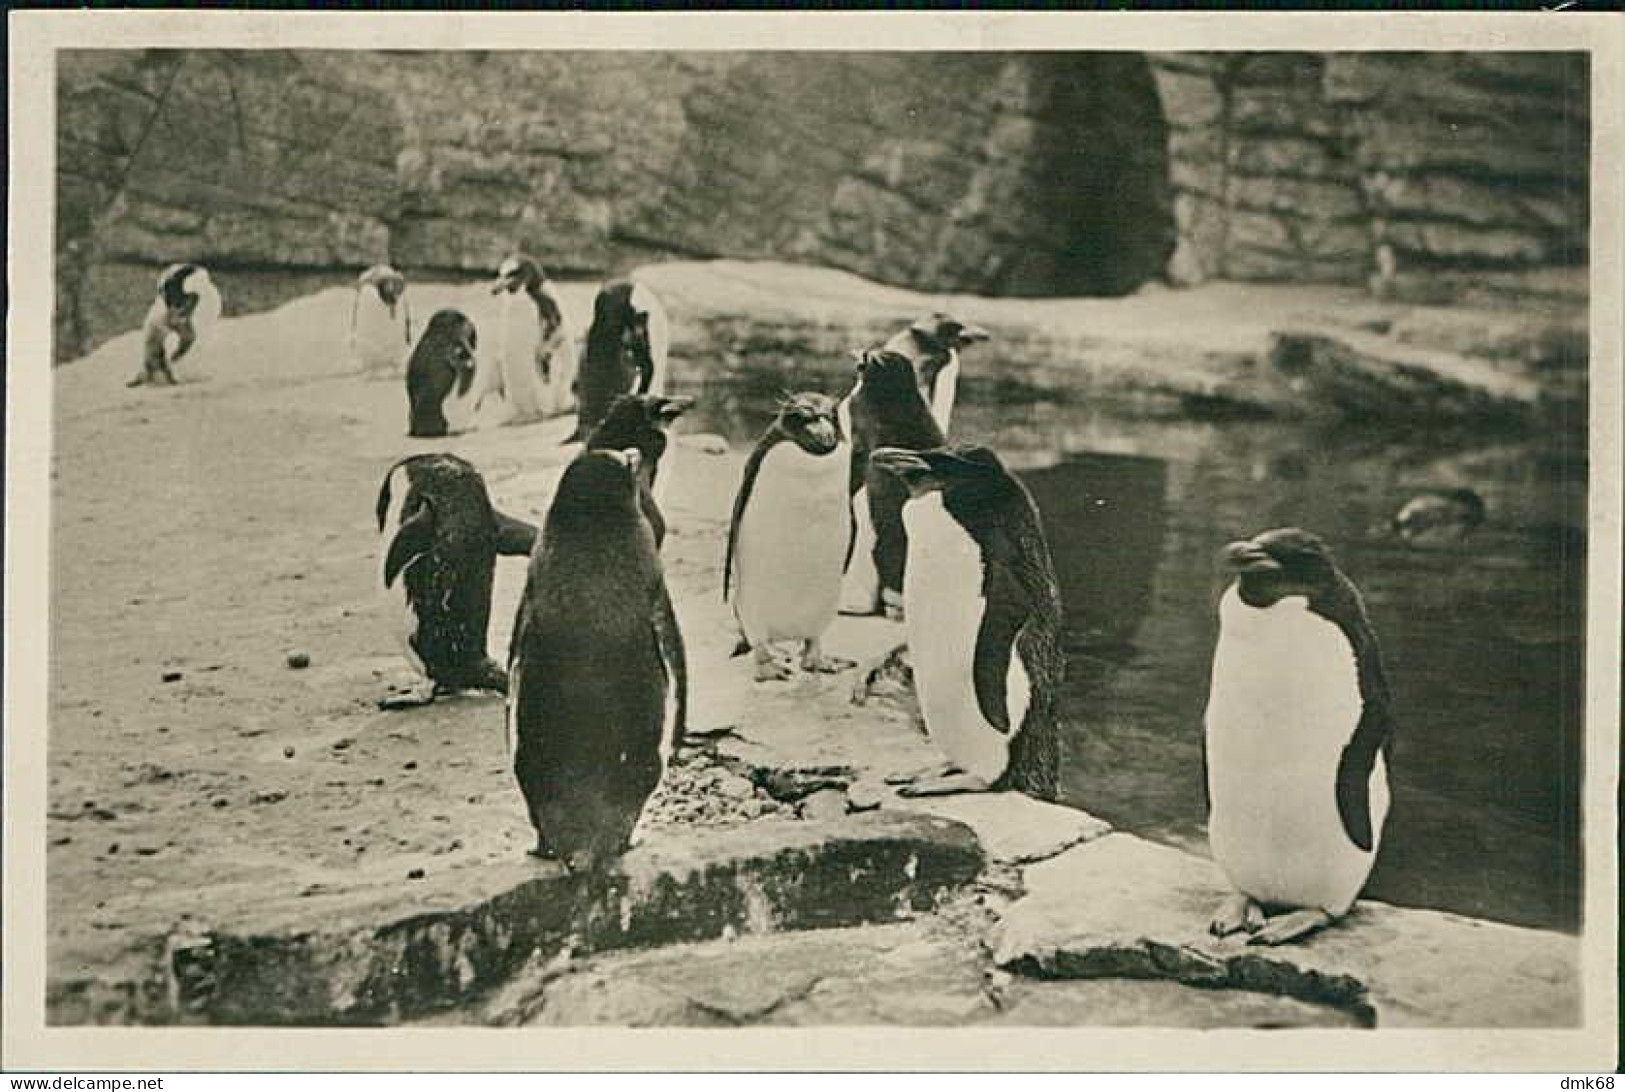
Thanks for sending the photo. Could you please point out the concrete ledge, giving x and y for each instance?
(1122, 907)
(380, 957)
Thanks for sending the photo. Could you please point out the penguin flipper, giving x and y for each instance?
(1005, 613)
(669, 642)
(747, 483)
(1354, 769)
(515, 537)
(412, 540)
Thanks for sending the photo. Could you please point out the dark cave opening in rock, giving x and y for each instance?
(1099, 187)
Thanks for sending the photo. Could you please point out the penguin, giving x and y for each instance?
(1438, 517)
(885, 409)
(982, 613)
(932, 343)
(444, 381)
(186, 305)
(536, 349)
(380, 322)
(642, 421)
(599, 682)
(626, 351)
(441, 540)
(1299, 735)
(789, 536)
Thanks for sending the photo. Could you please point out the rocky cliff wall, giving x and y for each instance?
(1437, 176)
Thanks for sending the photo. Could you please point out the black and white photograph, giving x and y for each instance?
(1042, 529)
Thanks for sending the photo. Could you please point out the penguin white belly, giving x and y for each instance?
(558, 386)
(944, 392)
(518, 332)
(791, 541)
(1284, 702)
(399, 484)
(943, 608)
(646, 302)
(378, 338)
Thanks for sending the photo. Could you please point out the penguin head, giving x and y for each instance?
(962, 471)
(1439, 516)
(940, 332)
(1277, 564)
(811, 421)
(597, 487)
(885, 374)
(384, 280)
(640, 422)
(517, 273)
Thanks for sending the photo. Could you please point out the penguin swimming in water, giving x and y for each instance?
(1299, 736)
(599, 683)
(642, 421)
(444, 381)
(931, 343)
(186, 305)
(626, 351)
(789, 536)
(982, 610)
(885, 409)
(536, 349)
(380, 322)
(441, 540)
(1437, 517)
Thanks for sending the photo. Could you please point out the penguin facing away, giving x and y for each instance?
(444, 381)
(1437, 517)
(185, 306)
(932, 343)
(599, 685)
(380, 322)
(441, 539)
(642, 421)
(789, 536)
(983, 618)
(536, 349)
(626, 350)
(885, 409)
(1299, 733)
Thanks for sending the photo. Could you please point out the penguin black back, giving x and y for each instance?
(617, 357)
(1291, 561)
(172, 288)
(599, 683)
(442, 364)
(888, 411)
(641, 421)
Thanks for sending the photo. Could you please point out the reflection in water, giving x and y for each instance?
(1482, 637)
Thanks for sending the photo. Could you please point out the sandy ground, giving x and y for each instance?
(201, 536)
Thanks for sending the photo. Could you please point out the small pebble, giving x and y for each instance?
(342, 744)
(298, 660)
(287, 752)
(112, 848)
(415, 874)
(740, 788)
(868, 795)
(824, 804)
(412, 766)
(171, 676)
(219, 802)
(273, 797)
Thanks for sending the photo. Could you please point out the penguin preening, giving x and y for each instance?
(380, 322)
(982, 611)
(441, 538)
(789, 536)
(643, 422)
(444, 383)
(885, 409)
(1436, 517)
(185, 306)
(1299, 735)
(626, 351)
(536, 348)
(931, 343)
(598, 690)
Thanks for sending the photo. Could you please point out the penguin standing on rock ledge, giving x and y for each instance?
(1299, 735)
(982, 610)
(789, 536)
(599, 680)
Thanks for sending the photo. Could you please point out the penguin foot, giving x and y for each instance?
(1236, 914)
(1289, 927)
(814, 660)
(410, 698)
(936, 769)
(893, 604)
(894, 662)
(772, 668)
(945, 785)
(138, 381)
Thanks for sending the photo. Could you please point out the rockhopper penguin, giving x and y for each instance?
(789, 536)
(441, 540)
(536, 349)
(598, 689)
(380, 322)
(626, 351)
(982, 610)
(186, 305)
(444, 380)
(1299, 734)
(642, 421)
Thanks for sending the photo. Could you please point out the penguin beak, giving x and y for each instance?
(672, 408)
(499, 286)
(905, 464)
(970, 335)
(1248, 557)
